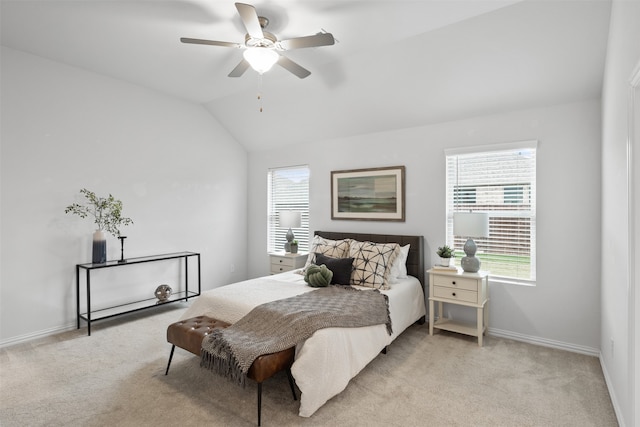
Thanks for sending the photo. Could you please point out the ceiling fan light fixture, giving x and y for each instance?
(262, 49)
(261, 59)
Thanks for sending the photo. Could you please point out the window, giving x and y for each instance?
(288, 189)
(501, 181)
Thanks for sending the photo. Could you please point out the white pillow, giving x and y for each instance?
(399, 265)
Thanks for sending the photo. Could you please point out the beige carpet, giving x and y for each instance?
(116, 378)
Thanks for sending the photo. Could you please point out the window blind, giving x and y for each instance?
(288, 189)
(501, 181)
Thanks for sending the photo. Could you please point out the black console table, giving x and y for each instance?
(104, 313)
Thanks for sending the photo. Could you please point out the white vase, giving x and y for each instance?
(99, 252)
(446, 262)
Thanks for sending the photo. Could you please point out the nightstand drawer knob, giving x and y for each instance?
(453, 294)
(280, 261)
(453, 283)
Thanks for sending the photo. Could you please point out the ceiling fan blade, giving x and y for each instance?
(291, 66)
(322, 39)
(250, 20)
(240, 69)
(210, 42)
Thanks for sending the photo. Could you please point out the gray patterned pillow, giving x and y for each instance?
(372, 263)
(330, 248)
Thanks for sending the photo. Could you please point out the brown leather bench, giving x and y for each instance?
(188, 334)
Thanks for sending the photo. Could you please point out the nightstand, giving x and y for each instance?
(281, 261)
(460, 288)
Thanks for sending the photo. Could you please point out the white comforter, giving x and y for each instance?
(345, 350)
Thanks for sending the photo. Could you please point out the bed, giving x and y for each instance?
(346, 350)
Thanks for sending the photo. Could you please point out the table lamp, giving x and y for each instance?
(470, 224)
(289, 219)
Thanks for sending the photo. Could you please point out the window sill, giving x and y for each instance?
(511, 281)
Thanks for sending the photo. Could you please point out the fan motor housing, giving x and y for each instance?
(268, 40)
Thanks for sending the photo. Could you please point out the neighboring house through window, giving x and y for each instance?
(499, 180)
(288, 189)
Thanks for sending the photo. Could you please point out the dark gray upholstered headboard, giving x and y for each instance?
(415, 260)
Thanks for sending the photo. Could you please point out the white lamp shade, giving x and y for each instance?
(261, 59)
(290, 219)
(471, 224)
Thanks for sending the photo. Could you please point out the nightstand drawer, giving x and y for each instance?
(275, 268)
(282, 260)
(455, 294)
(456, 282)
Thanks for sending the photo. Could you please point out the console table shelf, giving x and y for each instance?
(116, 310)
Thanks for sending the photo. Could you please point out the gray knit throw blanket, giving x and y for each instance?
(279, 325)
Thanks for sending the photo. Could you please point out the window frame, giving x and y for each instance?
(526, 193)
(299, 201)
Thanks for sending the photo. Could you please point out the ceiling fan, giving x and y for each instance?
(262, 49)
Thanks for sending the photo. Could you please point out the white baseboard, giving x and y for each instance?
(568, 347)
(38, 334)
(83, 324)
(590, 351)
(612, 394)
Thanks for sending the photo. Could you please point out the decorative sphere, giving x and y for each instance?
(163, 292)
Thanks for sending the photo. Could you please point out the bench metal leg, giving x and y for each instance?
(293, 391)
(173, 347)
(259, 402)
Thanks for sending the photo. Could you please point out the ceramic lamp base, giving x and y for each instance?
(470, 264)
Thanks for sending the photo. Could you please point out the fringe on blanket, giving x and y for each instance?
(220, 360)
(388, 324)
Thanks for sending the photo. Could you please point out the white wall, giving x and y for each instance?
(563, 309)
(181, 177)
(623, 53)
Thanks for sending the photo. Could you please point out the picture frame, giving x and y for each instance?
(375, 194)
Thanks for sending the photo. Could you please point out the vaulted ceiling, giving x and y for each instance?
(396, 64)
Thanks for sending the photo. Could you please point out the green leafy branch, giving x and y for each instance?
(107, 212)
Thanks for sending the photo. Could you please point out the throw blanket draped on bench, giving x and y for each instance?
(281, 324)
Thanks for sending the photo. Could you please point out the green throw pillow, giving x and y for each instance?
(318, 276)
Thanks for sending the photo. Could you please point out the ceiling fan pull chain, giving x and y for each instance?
(260, 91)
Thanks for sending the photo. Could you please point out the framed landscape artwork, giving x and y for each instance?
(368, 194)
